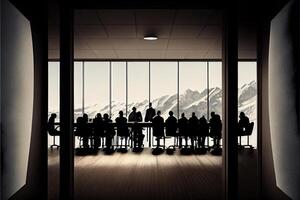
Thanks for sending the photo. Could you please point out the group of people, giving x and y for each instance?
(193, 128)
(197, 130)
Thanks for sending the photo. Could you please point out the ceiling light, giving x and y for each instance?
(150, 37)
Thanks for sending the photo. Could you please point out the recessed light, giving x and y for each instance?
(150, 37)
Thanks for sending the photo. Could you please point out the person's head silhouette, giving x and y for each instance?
(121, 113)
(158, 112)
(193, 114)
(212, 114)
(134, 109)
(53, 115)
(150, 105)
(105, 116)
(242, 114)
(85, 116)
(171, 113)
(98, 115)
(182, 115)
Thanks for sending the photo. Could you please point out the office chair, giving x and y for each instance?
(248, 132)
(122, 134)
(54, 132)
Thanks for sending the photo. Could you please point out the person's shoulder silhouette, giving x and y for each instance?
(150, 113)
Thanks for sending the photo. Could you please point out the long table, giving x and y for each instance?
(130, 124)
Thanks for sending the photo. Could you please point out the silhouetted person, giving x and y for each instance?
(150, 113)
(193, 128)
(52, 130)
(51, 125)
(183, 129)
(132, 116)
(109, 131)
(243, 123)
(138, 136)
(122, 128)
(158, 127)
(203, 132)
(171, 125)
(98, 130)
(215, 128)
(86, 132)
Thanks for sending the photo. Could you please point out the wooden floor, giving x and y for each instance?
(142, 176)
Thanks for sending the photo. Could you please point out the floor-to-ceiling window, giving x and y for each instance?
(96, 88)
(138, 86)
(118, 88)
(164, 87)
(193, 88)
(108, 87)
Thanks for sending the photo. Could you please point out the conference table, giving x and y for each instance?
(130, 125)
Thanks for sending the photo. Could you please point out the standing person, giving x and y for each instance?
(193, 124)
(132, 116)
(150, 113)
(171, 124)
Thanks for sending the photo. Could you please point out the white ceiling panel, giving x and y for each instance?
(161, 31)
(116, 17)
(186, 31)
(121, 31)
(90, 31)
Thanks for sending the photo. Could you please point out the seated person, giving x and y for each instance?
(203, 132)
(243, 123)
(138, 136)
(109, 131)
(158, 127)
(171, 125)
(183, 129)
(51, 127)
(98, 130)
(215, 129)
(122, 128)
(82, 130)
(193, 128)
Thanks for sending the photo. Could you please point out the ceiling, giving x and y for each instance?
(118, 34)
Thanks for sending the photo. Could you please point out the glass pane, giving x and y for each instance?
(53, 107)
(96, 88)
(138, 86)
(78, 89)
(193, 88)
(53, 89)
(247, 103)
(164, 87)
(118, 81)
(215, 88)
(247, 96)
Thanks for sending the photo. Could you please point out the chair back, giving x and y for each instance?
(171, 128)
(249, 129)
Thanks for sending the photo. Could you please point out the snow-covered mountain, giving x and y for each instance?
(189, 101)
